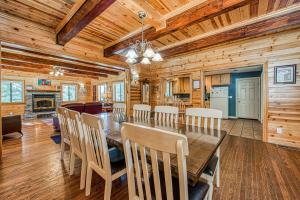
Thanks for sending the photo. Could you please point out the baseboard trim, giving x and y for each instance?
(232, 117)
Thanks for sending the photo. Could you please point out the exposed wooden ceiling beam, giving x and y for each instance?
(153, 17)
(32, 59)
(86, 13)
(268, 26)
(69, 15)
(42, 71)
(66, 58)
(196, 14)
(48, 68)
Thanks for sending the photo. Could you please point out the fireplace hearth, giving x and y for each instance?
(43, 102)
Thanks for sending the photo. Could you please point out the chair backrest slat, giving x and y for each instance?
(166, 114)
(119, 108)
(141, 140)
(96, 145)
(205, 113)
(62, 118)
(76, 131)
(141, 111)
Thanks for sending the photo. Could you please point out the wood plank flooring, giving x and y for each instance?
(250, 169)
(247, 128)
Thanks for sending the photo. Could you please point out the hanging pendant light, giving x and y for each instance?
(142, 50)
(149, 53)
(145, 61)
(131, 54)
(157, 57)
(131, 60)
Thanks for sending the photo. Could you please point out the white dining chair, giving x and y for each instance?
(77, 144)
(98, 159)
(166, 114)
(200, 117)
(139, 142)
(141, 111)
(64, 131)
(119, 108)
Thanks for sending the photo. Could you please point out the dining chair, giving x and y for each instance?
(98, 158)
(77, 144)
(141, 111)
(65, 136)
(199, 117)
(142, 144)
(167, 114)
(119, 108)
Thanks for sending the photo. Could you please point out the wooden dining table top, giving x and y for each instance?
(203, 143)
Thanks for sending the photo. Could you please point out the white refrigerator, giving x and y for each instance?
(219, 99)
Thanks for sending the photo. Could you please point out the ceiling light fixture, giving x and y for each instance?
(142, 50)
(57, 71)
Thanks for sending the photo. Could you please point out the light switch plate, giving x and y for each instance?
(279, 130)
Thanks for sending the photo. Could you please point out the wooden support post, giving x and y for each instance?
(128, 96)
(202, 81)
(265, 102)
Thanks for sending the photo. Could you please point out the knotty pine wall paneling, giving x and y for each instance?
(282, 101)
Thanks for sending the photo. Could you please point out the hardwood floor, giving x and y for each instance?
(246, 128)
(250, 169)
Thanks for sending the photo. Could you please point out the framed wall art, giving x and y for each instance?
(196, 84)
(285, 74)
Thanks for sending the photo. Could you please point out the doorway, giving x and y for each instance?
(248, 98)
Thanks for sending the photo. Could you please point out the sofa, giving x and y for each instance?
(90, 108)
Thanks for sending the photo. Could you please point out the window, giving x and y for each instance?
(118, 92)
(69, 92)
(12, 91)
(169, 89)
(102, 92)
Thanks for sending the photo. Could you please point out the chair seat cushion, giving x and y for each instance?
(117, 160)
(115, 154)
(197, 192)
(211, 167)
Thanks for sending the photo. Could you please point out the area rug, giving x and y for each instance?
(56, 139)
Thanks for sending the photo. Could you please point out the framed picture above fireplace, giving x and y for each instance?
(44, 82)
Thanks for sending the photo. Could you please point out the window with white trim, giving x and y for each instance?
(102, 89)
(119, 92)
(169, 86)
(69, 92)
(12, 91)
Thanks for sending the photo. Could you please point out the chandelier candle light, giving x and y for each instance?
(142, 50)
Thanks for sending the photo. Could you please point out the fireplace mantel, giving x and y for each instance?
(54, 91)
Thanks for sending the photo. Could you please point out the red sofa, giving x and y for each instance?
(91, 108)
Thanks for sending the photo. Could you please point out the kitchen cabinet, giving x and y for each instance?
(225, 79)
(216, 80)
(220, 79)
(181, 85)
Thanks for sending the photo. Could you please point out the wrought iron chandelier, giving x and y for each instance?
(57, 71)
(142, 51)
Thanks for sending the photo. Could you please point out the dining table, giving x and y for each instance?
(203, 143)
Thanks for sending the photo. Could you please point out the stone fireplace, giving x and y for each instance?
(43, 102)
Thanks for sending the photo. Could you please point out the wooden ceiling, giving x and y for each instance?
(45, 12)
(173, 26)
